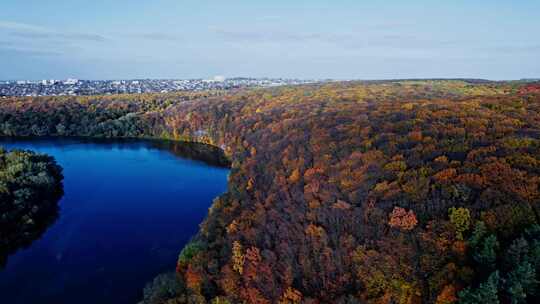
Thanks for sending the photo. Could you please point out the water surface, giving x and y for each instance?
(128, 209)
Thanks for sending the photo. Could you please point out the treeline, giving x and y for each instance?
(392, 192)
(30, 187)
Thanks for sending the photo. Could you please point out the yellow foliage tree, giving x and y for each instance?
(291, 296)
(238, 257)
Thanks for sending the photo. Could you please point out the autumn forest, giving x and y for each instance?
(418, 191)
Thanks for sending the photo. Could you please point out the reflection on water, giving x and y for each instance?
(208, 154)
(128, 209)
(13, 241)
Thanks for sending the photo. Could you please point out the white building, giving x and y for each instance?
(71, 81)
(219, 78)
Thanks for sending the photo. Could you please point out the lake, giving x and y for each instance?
(128, 209)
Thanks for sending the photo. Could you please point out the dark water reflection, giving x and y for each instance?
(13, 240)
(128, 208)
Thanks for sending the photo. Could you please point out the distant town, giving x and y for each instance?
(76, 87)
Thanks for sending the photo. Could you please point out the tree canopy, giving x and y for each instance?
(351, 192)
(30, 187)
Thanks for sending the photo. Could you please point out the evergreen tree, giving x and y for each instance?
(486, 293)
(521, 282)
(486, 252)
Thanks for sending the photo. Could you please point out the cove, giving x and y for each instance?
(128, 209)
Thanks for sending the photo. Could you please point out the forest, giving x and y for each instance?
(30, 187)
(417, 191)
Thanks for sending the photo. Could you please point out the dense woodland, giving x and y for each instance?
(353, 192)
(30, 187)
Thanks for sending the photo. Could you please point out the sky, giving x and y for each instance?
(315, 39)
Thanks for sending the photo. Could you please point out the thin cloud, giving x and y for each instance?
(8, 50)
(273, 36)
(48, 35)
(512, 50)
(270, 18)
(400, 41)
(389, 26)
(156, 37)
(16, 26)
(31, 31)
(348, 41)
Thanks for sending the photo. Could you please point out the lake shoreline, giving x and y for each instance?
(152, 166)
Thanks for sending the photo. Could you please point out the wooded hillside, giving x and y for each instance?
(354, 192)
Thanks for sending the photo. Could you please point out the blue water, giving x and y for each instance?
(127, 211)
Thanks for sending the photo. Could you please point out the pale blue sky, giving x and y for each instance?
(113, 39)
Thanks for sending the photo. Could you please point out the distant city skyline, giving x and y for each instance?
(171, 39)
(76, 87)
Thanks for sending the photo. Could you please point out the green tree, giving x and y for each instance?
(478, 234)
(189, 251)
(486, 293)
(521, 282)
(486, 253)
(517, 253)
